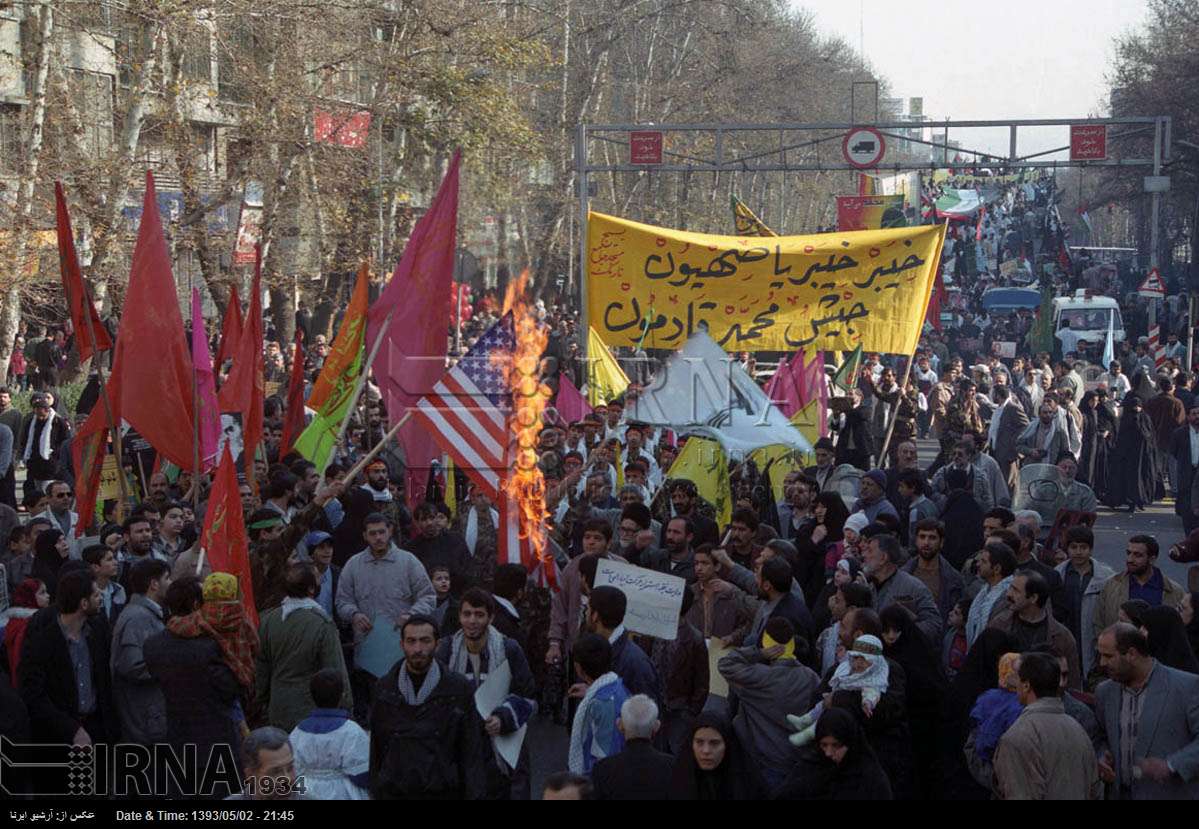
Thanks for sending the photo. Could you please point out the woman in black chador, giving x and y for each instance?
(1132, 468)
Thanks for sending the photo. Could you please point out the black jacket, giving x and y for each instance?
(200, 691)
(47, 679)
(640, 772)
(437, 751)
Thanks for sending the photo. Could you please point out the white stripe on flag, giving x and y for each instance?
(472, 464)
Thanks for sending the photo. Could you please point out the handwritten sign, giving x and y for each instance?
(110, 480)
(655, 599)
(829, 292)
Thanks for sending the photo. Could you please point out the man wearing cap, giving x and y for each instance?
(320, 550)
(273, 544)
(873, 500)
(45, 434)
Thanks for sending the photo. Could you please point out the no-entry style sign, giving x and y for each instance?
(864, 147)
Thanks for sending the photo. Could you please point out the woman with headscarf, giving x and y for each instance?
(713, 765)
(1168, 642)
(979, 673)
(49, 552)
(926, 688)
(1132, 476)
(962, 517)
(990, 718)
(826, 542)
(846, 571)
(29, 597)
(1098, 427)
(840, 766)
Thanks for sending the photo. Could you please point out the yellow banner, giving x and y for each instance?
(829, 292)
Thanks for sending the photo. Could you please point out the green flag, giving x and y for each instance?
(333, 393)
(847, 374)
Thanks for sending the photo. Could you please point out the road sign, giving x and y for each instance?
(1088, 142)
(864, 147)
(1153, 286)
(645, 148)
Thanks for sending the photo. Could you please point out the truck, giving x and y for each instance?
(1089, 315)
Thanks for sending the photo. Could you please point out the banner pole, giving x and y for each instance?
(113, 427)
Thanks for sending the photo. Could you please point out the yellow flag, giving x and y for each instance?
(834, 291)
(451, 490)
(619, 467)
(787, 460)
(605, 378)
(703, 462)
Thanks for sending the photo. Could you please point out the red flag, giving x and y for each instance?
(294, 424)
(936, 302)
(411, 359)
(978, 233)
(244, 390)
(78, 301)
(152, 367)
(223, 539)
(151, 383)
(230, 330)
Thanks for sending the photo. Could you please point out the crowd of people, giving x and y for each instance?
(887, 630)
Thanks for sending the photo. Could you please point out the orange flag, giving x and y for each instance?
(78, 301)
(224, 539)
(347, 345)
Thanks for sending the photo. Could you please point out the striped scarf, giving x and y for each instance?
(226, 623)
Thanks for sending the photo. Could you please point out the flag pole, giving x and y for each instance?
(370, 456)
(358, 386)
(195, 493)
(113, 427)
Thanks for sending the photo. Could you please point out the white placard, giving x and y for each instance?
(655, 599)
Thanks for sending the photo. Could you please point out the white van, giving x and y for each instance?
(1089, 317)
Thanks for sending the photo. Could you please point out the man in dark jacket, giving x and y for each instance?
(199, 687)
(639, 771)
(605, 616)
(63, 673)
(774, 582)
(427, 738)
(682, 664)
(433, 545)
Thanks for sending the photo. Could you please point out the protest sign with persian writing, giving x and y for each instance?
(655, 599)
(828, 292)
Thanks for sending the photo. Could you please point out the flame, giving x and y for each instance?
(525, 484)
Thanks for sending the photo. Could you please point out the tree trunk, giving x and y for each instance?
(10, 313)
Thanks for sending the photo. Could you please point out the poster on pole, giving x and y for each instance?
(655, 599)
(870, 212)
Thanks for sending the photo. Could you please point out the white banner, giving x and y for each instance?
(655, 599)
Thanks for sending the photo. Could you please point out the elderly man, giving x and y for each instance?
(873, 499)
(639, 771)
(1078, 496)
(881, 561)
(988, 486)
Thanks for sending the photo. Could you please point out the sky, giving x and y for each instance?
(992, 61)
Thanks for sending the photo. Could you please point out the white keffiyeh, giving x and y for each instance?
(291, 605)
(380, 497)
(43, 444)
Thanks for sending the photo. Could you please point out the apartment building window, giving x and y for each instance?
(94, 103)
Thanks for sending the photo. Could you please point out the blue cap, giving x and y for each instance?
(315, 538)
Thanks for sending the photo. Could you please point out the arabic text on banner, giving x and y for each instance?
(828, 292)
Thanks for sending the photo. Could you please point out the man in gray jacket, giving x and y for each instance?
(769, 684)
(138, 697)
(1149, 715)
(881, 562)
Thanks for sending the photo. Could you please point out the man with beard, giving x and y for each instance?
(936, 573)
(880, 562)
(64, 678)
(139, 544)
(684, 499)
(374, 496)
(476, 650)
(434, 544)
(1028, 620)
(677, 558)
(1140, 580)
(636, 538)
(1147, 715)
(428, 741)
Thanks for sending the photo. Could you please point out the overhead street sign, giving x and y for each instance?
(1088, 142)
(1153, 286)
(864, 147)
(645, 148)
